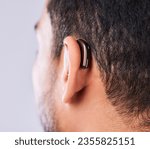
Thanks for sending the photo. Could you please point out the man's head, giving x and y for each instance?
(113, 93)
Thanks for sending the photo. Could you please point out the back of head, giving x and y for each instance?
(118, 32)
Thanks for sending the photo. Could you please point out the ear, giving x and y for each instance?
(74, 78)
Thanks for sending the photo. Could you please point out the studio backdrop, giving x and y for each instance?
(17, 52)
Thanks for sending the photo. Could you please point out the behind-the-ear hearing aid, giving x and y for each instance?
(85, 53)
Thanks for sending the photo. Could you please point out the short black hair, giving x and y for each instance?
(118, 32)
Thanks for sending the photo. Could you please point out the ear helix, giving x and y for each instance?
(85, 53)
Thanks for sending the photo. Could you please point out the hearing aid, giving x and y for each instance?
(85, 53)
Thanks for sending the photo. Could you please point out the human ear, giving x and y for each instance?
(75, 75)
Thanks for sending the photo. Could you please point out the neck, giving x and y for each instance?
(99, 114)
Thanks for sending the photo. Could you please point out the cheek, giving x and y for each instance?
(41, 75)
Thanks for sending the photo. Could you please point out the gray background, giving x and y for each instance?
(17, 51)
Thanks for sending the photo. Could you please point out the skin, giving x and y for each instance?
(70, 98)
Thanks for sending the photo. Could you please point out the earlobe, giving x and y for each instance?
(74, 76)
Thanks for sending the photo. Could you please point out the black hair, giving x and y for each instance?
(118, 32)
